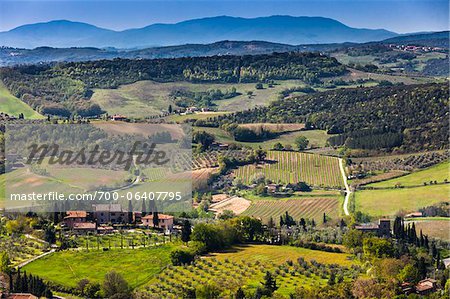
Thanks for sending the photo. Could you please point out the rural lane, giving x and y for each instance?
(347, 188)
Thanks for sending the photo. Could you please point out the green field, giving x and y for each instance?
(307, 207)
(387, 202)
(293, 167)
(317, 138)
(13, 106)
(137, 266)
(437, 173)
(149, 98)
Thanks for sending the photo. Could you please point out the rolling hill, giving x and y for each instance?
(14, 56)
(278, 29)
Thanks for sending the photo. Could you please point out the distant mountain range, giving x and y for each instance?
(276, 29)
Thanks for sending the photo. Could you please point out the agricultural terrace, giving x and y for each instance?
(387, 202)
(292, 167)
(438, 173)
(21, 248)
(137, 266)
(245, 266)
(436, 227)
(308, 208)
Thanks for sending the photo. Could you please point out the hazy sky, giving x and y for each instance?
(396, 15)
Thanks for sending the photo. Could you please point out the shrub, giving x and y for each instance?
(179, 257)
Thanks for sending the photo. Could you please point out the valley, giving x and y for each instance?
(262, 138)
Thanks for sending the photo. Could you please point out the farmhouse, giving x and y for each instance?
(119, 117)
(219, 146)
(104, 230)
(110, 213)
(84, 228)
(165, 221)
(272, 188)
(383, 229)
(446, 262)
(74, 217)
(426, 286)
(414, 215)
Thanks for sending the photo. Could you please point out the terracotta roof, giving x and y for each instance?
(85, 225)
(160, 216)
(415, 214)
(425, 285)
(76, 214)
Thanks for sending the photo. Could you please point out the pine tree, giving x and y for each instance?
(270, 284)
(332, 279)
(422, 239)
(433, 249)
(239, 294)
(155, 219)
(427, 246)
(302, 223)
(271, 223)
(342, 224)
(130, 211)
(186, 231)
(413, 234)
(144, 209)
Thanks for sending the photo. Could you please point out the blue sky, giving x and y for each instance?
(397, 15)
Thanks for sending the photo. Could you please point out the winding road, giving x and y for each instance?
(347, 188)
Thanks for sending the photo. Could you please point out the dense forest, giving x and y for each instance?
(407, 117)
(65, 89)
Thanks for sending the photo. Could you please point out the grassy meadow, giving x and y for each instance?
(437, 173)
(13, 106)
(149, 98)
(317, 138)
(387, 202)
(137, 266)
